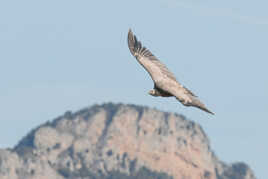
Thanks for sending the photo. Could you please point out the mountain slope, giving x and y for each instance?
(117, 141)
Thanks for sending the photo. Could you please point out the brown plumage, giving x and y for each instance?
(165, 83)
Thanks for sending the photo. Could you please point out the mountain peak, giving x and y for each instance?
(120, 141)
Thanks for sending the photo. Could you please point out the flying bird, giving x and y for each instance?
(165, 83)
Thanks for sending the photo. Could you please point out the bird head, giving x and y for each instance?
(153, 93)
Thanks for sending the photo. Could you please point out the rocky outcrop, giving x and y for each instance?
(117, 141)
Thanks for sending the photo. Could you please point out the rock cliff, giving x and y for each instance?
(113, 141)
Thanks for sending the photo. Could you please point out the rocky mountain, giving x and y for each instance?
(113, 141)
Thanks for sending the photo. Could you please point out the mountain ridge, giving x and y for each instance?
(118, 140)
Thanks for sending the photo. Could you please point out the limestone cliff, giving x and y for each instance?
(117, 141)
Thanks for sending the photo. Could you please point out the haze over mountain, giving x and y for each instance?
(113, 141)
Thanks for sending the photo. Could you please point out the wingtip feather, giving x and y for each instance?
(129, 30)
(208, 111)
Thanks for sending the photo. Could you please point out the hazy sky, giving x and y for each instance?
(59, 55)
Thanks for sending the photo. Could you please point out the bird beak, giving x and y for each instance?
(150, 92)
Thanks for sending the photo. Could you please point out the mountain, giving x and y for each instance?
(114, 141)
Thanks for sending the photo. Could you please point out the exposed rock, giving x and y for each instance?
(117, 141)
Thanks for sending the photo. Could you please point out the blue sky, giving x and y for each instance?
(65, 55)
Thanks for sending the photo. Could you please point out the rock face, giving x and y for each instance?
(117, 141)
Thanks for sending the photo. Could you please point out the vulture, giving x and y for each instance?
(165, 83)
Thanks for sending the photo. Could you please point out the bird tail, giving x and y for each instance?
(198, 104)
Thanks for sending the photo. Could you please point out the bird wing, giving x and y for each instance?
(159, 73)
(197, 103)
(189, 91)
(157, 70)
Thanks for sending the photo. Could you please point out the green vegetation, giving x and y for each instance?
(143, 173)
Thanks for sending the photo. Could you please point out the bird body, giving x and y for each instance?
(165, 83)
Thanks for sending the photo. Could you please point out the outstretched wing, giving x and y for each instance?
(157, 70)
(189, 91)
(197, 103)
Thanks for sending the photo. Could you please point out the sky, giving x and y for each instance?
(59, 55)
